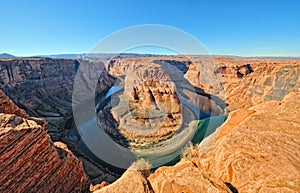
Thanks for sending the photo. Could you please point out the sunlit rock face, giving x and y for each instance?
(149, 110)
(154, 112)
(30, 162)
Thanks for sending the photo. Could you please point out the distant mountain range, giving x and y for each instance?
(95, 55)
(123, 55)
(5, 55)
(82, 56)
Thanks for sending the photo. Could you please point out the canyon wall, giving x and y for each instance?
(249, 82)
(30, 161)
(43, 88)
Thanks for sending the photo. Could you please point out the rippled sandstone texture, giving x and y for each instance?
(30, 161)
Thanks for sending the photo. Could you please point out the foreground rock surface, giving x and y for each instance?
(30, 162)
(132, 181)
(257, 150)
(185, 177)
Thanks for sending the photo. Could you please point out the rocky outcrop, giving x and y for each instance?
(185, 177)
(132, 181)
(249, 82)
(155, 111)
(151, 108)
(257, 149)
(7, 106)
(242, 82)
(43, 87)
(30, 162)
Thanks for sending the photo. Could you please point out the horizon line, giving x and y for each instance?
(153, 54)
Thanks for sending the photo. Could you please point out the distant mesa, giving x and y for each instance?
(5, 55)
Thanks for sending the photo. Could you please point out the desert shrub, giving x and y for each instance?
(187, 152)
(142, 165)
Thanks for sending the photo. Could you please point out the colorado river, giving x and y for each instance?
(103, 149)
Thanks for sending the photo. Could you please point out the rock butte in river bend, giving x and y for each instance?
(256, 150)
(149, 110)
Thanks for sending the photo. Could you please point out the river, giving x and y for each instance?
(101, 148)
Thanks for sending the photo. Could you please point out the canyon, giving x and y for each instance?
(256, 149)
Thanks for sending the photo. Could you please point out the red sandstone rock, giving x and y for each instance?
(30, 162)
(7, 106)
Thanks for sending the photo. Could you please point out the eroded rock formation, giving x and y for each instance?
(150, 110)
(263, 80)
(43, 88)
(185, 177)
(7, 106)
(132, 181)
(257, 149)
(31, 162)
(155, 111)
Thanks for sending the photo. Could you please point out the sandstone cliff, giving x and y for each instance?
(249, 82)
(30, 162)
(7, 106)
(43, 88)
(257, 149)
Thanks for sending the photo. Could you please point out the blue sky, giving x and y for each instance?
(246, 28)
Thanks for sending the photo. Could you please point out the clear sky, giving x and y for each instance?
(225, 27)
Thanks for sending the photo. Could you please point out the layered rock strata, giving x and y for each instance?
(30, 162)
(250, 82)
(43, 88)
(148, 111)
(7, 106)
(256, 150)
